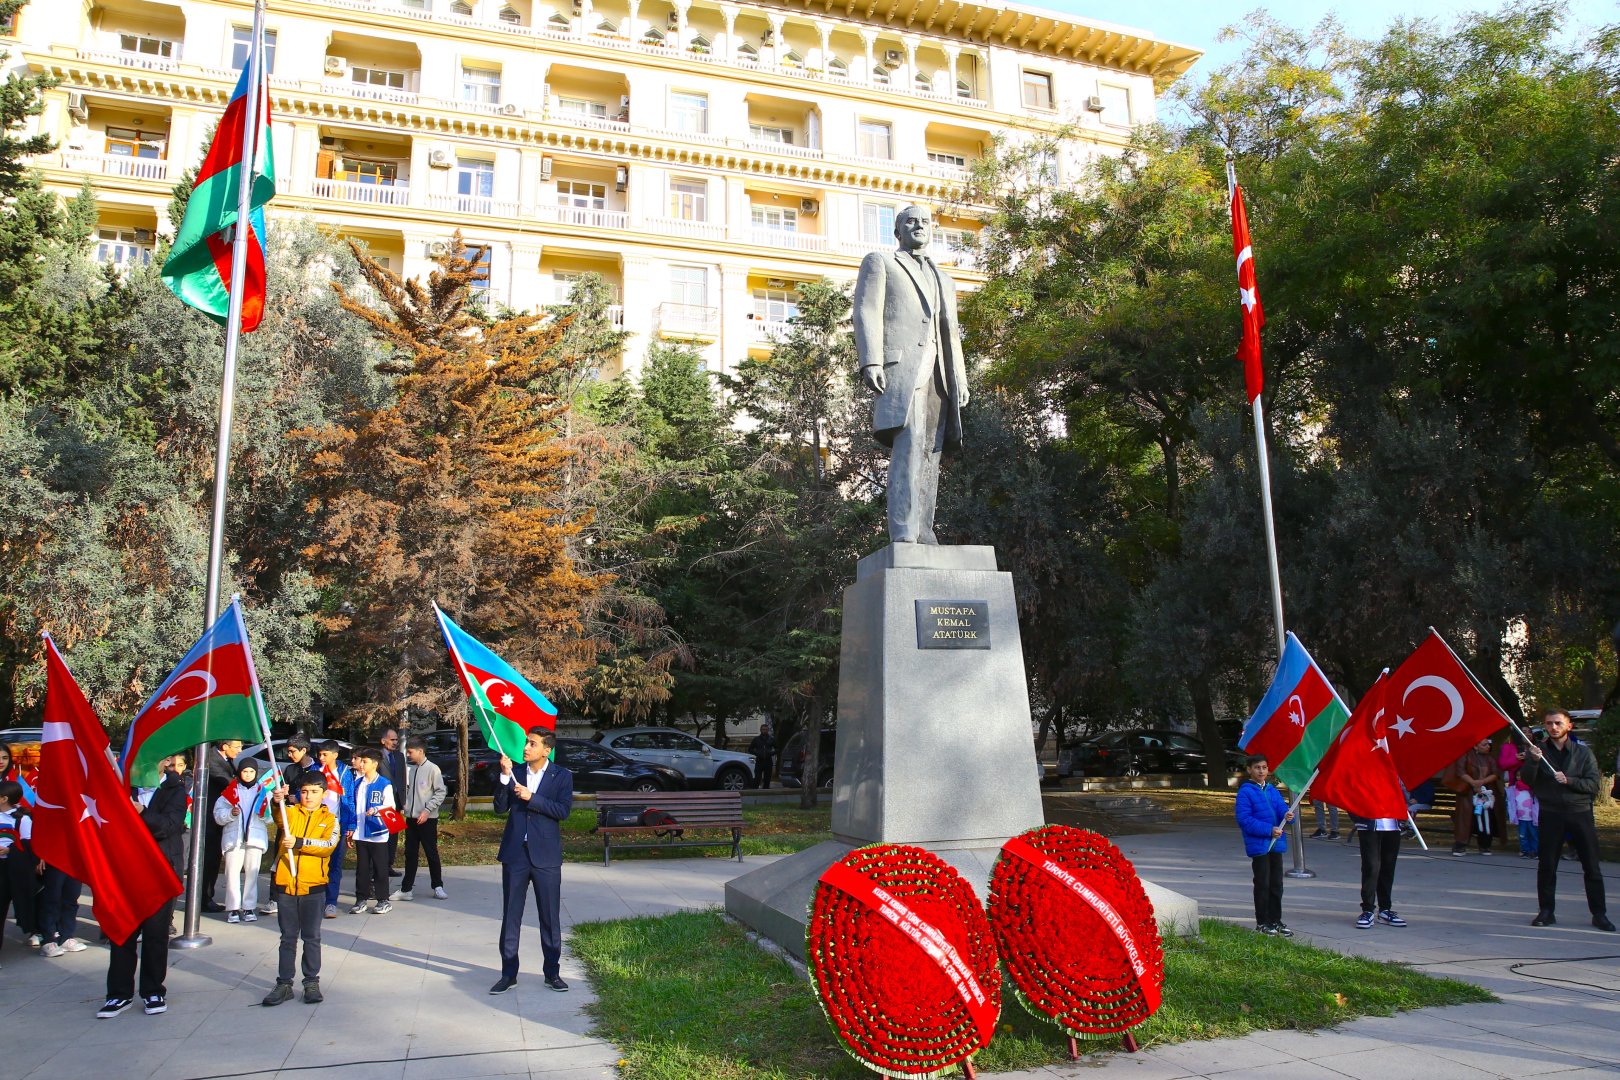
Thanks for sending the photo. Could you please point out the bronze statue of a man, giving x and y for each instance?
(910, 351)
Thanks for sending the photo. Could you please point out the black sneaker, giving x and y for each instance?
(113, 1007)
(282, 992)
(312, 993)
(155, 1004)
(1266, 929)
(1602, 923)
(1389, 918)
(1281, 930)
(1318, 834)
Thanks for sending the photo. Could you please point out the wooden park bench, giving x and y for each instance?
(692, 810)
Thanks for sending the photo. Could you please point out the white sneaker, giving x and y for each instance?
(51, 949)
(35, 940)
(232, 917)
(250, 916)
(73, 944)
(404, 894)
(439, 893)
(267, 909)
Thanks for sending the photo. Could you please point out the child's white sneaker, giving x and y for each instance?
(233, 917)
(250, 915)
(51, 949)
(73, 944)
(439, 893)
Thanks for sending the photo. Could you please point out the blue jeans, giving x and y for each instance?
(59, 906)
(335, 873)
(1527, 839)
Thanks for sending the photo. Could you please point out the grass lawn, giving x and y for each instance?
(770, 829)
(688, 995)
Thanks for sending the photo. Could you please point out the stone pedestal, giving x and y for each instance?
(935, 744)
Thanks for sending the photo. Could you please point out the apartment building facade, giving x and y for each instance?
(705, 157)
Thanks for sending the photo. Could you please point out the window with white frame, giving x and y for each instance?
(481, 85)
(775, 306)
(688, 112)
(378, 77)
(775, 218)
(1044, 167)
(582, 194)
(875, 139)
(122, 248)
(242, 40)
(475, 179)
(939, 157)
(689, 285)
(958, 239)
(877, 222)
(1038, 90)
(1116, 104)
(478, 253)
(766, 133)
(159, 48)
(688, 199)
(582, 107)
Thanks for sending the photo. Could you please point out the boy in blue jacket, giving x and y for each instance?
(1263, 816)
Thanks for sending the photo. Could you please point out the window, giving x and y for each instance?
(127, 142)
(8, 25)
(689, 285)
(581, 107)
(676, 740)
(1116, 104)
(391, 80)
(775, 218)
(582, 194)
(482, 85)
(475, 179)
(875, 139)
(939, 158)
(959, 240)
(381, 173)
(121, 248)
(775, 305)
(1044, 166)
(877, 223)
(242, 38)
(689, 200)
(478, 285)
(1037, 90)
(689, 112)
(148, 46)
(766, 134)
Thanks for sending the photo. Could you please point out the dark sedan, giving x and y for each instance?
(595, 768)
(1138, 753)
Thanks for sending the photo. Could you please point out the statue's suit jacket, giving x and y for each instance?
(894, 325)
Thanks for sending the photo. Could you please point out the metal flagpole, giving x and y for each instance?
(1300, 870)
(193, 938)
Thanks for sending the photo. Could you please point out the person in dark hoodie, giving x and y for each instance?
(165, 818)
(1563, 775)
(1263, 816)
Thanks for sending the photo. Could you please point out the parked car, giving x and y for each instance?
(700, 763)
(483, 764)
(598, 768)
(1137, 753)
(793, 755)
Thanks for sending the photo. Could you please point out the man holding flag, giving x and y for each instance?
(1564, 777)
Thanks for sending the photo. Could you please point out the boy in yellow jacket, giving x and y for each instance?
(309, 837)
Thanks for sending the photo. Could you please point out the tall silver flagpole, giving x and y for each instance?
(1264, 458)
(201, 811)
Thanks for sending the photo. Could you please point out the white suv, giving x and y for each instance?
(699, 762)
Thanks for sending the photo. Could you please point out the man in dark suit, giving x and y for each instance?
(537, 796)
(393, 767)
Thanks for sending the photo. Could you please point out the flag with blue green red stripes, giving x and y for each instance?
(1297, 720)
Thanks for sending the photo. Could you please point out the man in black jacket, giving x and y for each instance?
(393, 767)
(165, 818)
(1563, 775)
(763, 747)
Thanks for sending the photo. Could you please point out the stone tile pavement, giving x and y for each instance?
(407, 992)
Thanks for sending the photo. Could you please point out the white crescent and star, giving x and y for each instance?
(1296, 711)
(507, 700)
(1452, 697)
(210, 684)
(59, 732)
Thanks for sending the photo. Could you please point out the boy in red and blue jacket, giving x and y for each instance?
(1263, 816)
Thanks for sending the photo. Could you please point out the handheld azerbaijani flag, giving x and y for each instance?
(210, 696)
(1297, 720)
(507, 705)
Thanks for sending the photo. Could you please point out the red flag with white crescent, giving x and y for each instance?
(1434, 711)
(1254, 316)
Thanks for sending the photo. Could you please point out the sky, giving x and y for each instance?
(1199, 22)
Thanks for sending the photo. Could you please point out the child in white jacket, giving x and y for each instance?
(244, 811)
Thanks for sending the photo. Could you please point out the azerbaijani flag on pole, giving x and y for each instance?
(212, 695)
(198, 269)
(507, 705)
(1297, 720)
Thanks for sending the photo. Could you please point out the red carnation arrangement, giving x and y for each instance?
(903, 960)
(1076, 931)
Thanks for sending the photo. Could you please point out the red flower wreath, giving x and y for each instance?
(903, 960)
(1076, 931)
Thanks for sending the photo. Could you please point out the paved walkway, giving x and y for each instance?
(421, 974)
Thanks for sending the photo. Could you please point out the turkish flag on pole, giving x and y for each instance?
(1357, 774)
(85, 823)
(1436, 711)
(1254, 316)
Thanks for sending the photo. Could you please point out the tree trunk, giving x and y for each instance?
(812, 756)
(461, 767)
(1208, 733)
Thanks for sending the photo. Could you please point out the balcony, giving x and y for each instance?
(139, 168)
(395, 194)
(768, 331)
(131, 58)
(787, 240)
(588, 217)
(615, 312)
(473, 204)
(698, 230)
(686, 322)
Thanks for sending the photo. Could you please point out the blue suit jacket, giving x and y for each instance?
(533, 835)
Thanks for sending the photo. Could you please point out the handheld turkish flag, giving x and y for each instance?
(1357, 774)
(1254, 316)
(85, 824)
(1437, 711)
(392, 820)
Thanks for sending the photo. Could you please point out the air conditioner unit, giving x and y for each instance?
(511, 108)
(438, 249)
(545, 168)
(621, 178)
(440, 159)
(1094, 104)
(893, 56)
(143, 236)
(77, 108)
(624, 101)
(809, 207)
(768, 37)
(674, 22)
(336, 65)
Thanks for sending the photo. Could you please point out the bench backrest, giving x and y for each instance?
(686, 807)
